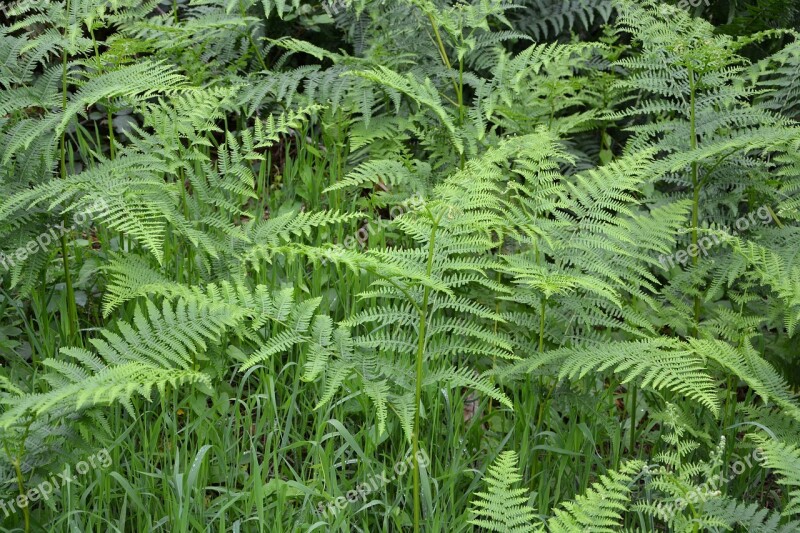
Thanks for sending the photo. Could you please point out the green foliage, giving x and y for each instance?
(599, 509)
(156, 350)
(263, 249)
(503, 507)
(783, 458)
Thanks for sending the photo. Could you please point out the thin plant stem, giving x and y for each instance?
(72, 309)
(542, 311)
(695, 188)
(423, 324)
(633, 419)
(17, 464)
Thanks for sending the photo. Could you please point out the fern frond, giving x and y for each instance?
(503, 507)
(600, 508)
(156, 350)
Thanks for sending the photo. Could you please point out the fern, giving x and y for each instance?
(443, 226)
(503, 508)
(599, 508)
(156, 350)
(784, 459)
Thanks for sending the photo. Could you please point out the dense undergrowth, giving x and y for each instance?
(407, 265)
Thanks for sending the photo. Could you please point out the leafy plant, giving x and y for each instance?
(273, 254)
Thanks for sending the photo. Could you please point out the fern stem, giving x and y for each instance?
(632, 403)
(72, 310)
(423, 326)
(542, 311)
(17, 464)
(111, 140)
(460, 95)
(109, 113)
(439, 42)
(695, 188)
(458, 85)
(26, 513)
(252, 42)
(417, 400)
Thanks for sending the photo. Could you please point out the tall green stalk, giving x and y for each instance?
(695, 188)
(542, 312)
(543, 403)
(632, 403)
(16, 462)
(253, 44)
(72, 309)
(423, 326)
(458, 84)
